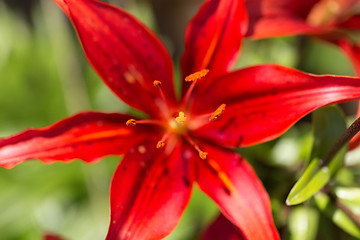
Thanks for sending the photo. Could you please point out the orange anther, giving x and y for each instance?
(197, 75)
(131, 122)
(181, 118)
(160, 144)
(203, 155)
(157, 83)
(217, 112)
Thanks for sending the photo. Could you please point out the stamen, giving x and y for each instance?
(181, 118)
(217, 112)
(162, 105)
(202, 154)
(160, 144)
(197, 75)
(193, 78)
(131, 123)
(157, 83)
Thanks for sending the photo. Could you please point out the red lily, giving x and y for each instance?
(330, 20)
(222, 229)
(185, 141)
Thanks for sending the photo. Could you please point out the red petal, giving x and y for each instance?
(231, 182)
(351, 23)
(87, 136)
(262, 102)
(273, 18)
(149, 192)
(352, 50)
(222, 229)
(213, 37)
(124, 52)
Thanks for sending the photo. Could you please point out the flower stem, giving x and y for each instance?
(346, 137)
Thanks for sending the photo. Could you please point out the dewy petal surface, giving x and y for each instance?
(274, 18)
(238, 192)
(87, 136)
(222, 229)
(149, 192)
(213, 37)
(126, 55)
(264, 101)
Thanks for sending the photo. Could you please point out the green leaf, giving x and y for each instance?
(342, 220)
(309, 183)
(303, 223)
(328, 126)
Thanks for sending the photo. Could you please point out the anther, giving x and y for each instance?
(203, 155)
(217, 112)
(157, 83)
(131, 122)
(197, 75)
(181, 118)
(160, 144)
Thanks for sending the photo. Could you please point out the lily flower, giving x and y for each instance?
(181, 142)
(329, 20)
(222, 229)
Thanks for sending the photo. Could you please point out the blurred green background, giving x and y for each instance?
(45, 77)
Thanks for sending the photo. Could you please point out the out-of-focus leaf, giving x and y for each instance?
(348, 194)
(336, 215)
(303, 223)
(328, 125)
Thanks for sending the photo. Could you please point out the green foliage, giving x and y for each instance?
(328, 125)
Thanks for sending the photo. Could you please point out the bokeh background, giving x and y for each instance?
(45, 77)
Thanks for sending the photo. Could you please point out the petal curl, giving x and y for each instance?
(126, 55)
(87, 136)
(222, 229)
(274, 18)
(213, 37)
(263, 101)
(232, 183)
(149, 192)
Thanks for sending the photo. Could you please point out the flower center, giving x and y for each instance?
(181, 124)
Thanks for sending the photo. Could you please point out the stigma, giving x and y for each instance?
(181, 118)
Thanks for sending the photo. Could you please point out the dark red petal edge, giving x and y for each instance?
(222, 229)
